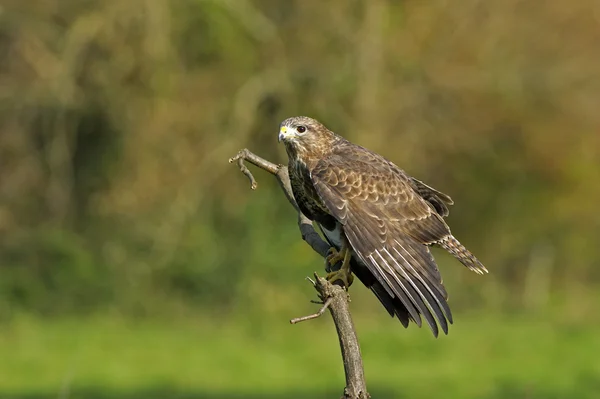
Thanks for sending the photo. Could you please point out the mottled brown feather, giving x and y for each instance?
(386, 224)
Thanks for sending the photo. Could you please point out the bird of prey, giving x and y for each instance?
(379, 221)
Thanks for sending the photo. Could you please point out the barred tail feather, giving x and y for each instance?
(452, 245)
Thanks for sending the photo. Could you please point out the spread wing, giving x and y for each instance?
(389, 225)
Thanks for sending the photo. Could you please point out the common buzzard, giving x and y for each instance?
(378, 220)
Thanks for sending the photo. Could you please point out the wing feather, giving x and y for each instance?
(437, 199)
(435, 290)
(388, 226)
(420, 297)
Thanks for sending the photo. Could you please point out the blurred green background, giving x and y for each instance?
(135, 262)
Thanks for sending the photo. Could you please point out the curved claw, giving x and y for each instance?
(344, 275)
(334, 256)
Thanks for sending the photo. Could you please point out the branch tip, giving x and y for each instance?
(314, 315)
(244, 169)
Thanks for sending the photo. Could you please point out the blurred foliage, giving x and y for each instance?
(116, 199)
(117, 119)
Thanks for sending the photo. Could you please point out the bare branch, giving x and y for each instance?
(247, 172)
(314, 315)
(246, 155)
(333, 297)
(311, 237)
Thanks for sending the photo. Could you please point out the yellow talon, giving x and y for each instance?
(343, 274)
(334, 256)
(345, 277)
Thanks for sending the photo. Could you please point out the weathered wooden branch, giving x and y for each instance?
(333, 297)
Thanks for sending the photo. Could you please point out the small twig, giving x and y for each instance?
(314, 315)
(246, 155)
(333, 297)
(248, 174)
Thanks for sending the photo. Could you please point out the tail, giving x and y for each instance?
(451, 244)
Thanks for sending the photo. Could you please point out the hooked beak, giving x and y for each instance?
(284, 133)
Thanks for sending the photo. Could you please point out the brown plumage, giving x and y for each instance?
(388, 218)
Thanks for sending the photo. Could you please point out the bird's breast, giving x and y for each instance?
(306, 195)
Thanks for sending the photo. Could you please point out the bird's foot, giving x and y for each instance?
(344, 275)
(334, 256)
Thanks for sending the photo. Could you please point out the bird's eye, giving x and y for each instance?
(301, 129)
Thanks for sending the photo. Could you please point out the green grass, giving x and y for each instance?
(106, 358)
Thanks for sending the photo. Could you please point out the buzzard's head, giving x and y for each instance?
(303, 135)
